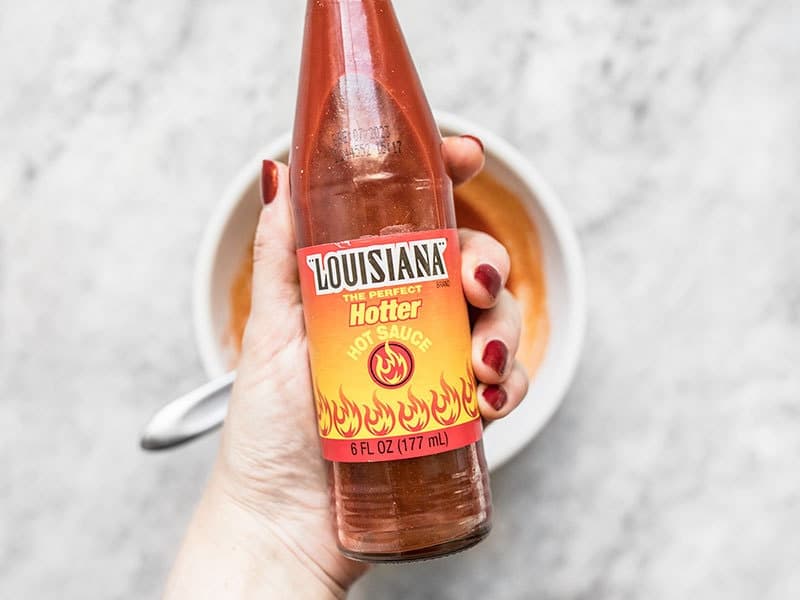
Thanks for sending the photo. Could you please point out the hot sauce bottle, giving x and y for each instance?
(386, 319)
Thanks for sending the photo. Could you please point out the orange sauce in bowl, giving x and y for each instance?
(483, 204)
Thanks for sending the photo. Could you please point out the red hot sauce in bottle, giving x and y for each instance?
(380, 273)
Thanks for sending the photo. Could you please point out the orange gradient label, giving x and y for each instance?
(389, 345)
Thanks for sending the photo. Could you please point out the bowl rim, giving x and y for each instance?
(209, 348)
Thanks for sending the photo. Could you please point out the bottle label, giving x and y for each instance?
(390, 348)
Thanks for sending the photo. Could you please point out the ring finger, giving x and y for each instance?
(495, 339)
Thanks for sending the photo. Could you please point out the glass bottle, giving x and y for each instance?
(368, 178)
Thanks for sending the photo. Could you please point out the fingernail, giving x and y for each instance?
(489, 278)
(269, 181)
(496, 396)
(477, 140)
(495, 355)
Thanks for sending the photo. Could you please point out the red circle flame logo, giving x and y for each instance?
(391, 364)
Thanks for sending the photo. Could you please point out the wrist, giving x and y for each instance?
(232, 550)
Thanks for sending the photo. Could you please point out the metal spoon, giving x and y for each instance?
(192, 415)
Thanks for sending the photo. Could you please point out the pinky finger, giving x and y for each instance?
(497, 401)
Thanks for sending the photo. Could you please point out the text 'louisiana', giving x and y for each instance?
(378, 266)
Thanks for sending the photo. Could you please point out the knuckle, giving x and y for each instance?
(515, 307)
(504, 256)
(512, 311)
(496, 248)
(465, 235)
(521, 380)
(525, 386)
(262, 240)
(481, 242)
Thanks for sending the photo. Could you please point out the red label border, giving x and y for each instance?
(402, 446)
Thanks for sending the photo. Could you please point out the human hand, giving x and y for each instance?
(267, 501)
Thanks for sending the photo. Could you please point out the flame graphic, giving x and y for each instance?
(390, 367)
(446, 406)
(381, 419)
(415, 415)
(324, 414)
(347, 417)
(467, 395)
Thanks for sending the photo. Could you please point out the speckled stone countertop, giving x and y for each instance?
(670, 130)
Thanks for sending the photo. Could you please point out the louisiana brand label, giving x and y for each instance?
(389, 343)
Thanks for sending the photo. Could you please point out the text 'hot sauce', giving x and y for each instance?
(380, 273)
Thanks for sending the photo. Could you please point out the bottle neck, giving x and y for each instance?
(365, 141)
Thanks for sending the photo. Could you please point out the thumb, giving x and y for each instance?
(276, 313)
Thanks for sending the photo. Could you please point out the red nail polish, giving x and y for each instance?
(269, 181)
(496, 396)
(495, 355)
(489, 278)
(477, 140)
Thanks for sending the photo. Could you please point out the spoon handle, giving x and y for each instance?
(192, 415)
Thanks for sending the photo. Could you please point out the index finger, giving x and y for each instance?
(463, 157)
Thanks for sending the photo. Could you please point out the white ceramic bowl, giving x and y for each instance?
(232, 225)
